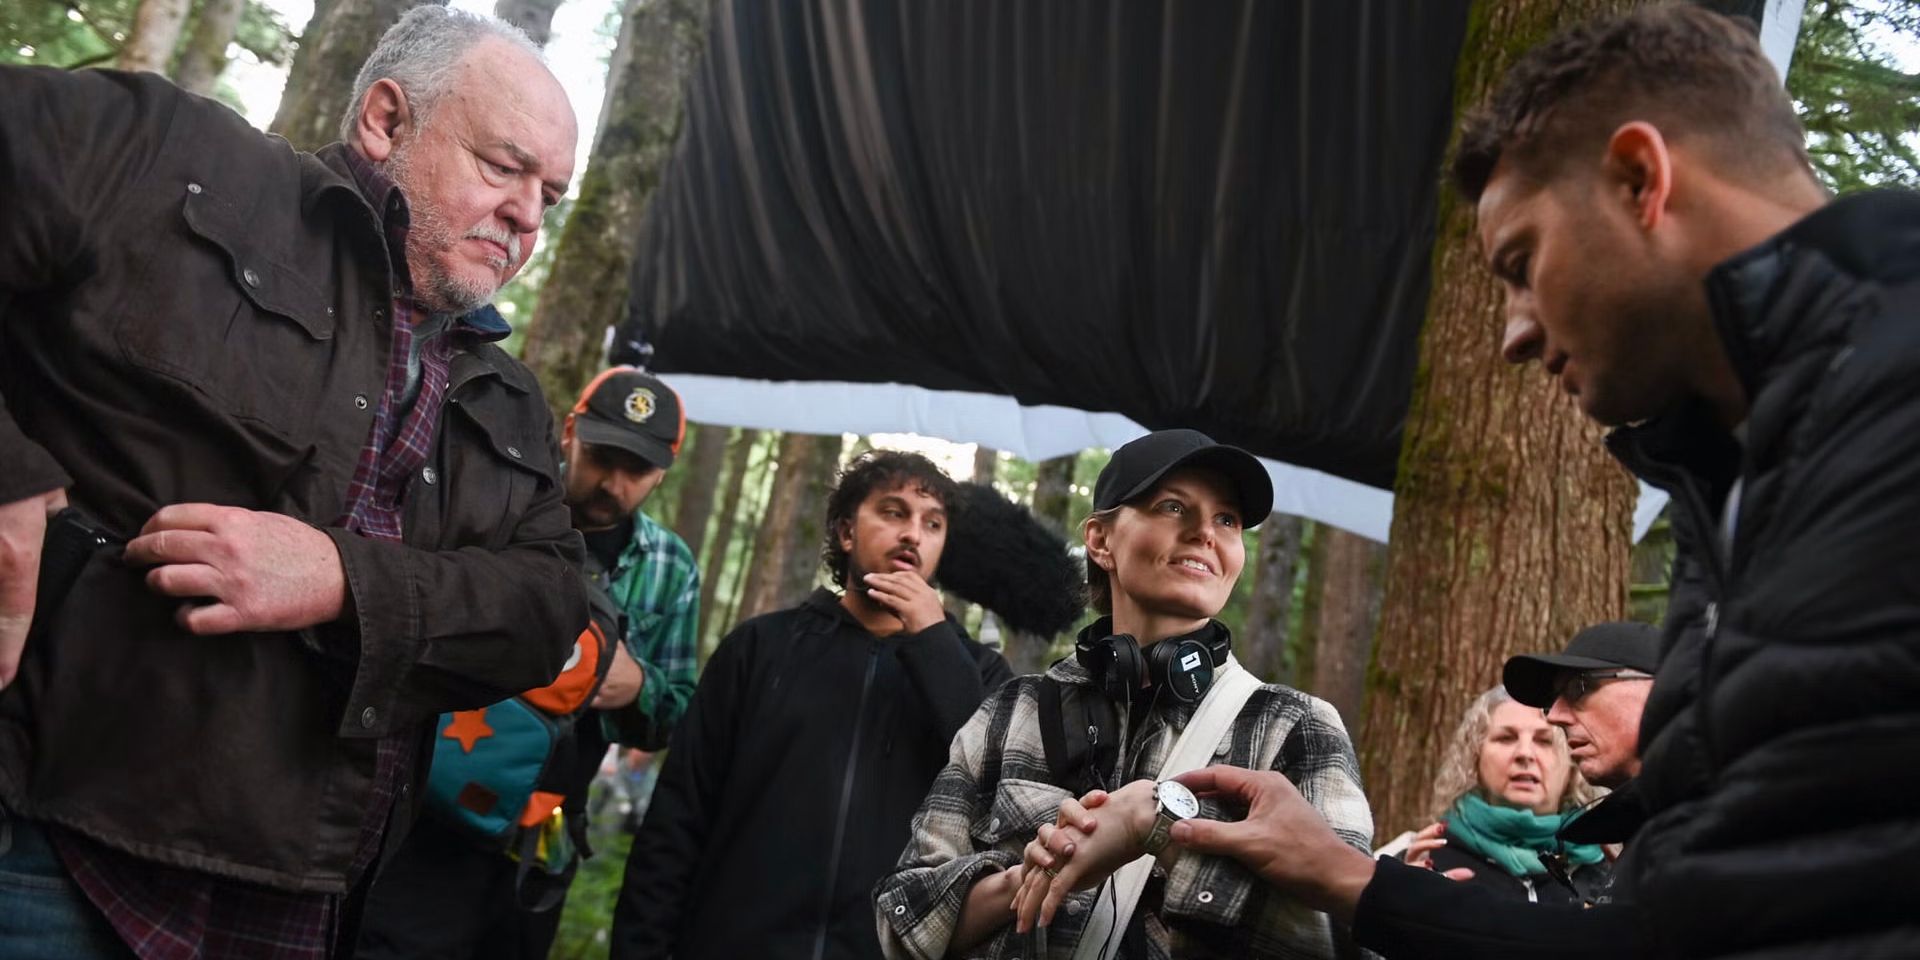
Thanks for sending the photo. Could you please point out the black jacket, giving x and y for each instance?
(791, 784)
(1589, 881)
(191, 311)
(1779, 738)
(1412, 913)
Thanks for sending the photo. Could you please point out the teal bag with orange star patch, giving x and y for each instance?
(499, 772)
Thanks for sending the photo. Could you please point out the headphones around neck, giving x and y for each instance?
(1183, 666)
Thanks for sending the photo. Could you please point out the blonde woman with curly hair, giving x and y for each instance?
(1505, 788)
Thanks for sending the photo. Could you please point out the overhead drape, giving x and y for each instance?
(1206, 214)
(1215, 214)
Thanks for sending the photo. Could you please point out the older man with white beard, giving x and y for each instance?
(273, 499)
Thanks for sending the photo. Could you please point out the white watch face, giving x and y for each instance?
(1177, 800)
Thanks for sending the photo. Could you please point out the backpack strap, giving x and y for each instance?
(1053, 732)
(1078, 754)
(1211, 723)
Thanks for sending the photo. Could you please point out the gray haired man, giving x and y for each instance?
(294, 502)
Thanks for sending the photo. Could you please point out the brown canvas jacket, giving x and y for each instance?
(191, 311)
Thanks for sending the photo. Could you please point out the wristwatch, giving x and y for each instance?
(1173, 802)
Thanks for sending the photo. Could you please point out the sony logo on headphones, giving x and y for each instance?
(1191, 661)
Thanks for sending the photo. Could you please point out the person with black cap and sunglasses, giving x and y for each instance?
(1152, 690)
(1596, 691)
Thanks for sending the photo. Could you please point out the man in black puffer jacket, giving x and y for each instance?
(1644, 196)
(1779, 403)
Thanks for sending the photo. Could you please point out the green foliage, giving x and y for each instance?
(64, 34)
(83, 33)
(1859, 107)
(588, 914)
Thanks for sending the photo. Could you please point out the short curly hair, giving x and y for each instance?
(1460, 768)
(879, 470)
(1691, 72)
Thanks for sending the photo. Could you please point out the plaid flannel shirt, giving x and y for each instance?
(656, 583)
(996, 792)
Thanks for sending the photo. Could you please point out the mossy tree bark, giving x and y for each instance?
(587, 291)
(1511, 523)
(806, 532)
(333, 47)
(1052, 499)
(156, 30)
(205, 56)
(794, 495)
(533, 16)
(699, 463)
(1262, 640)
(739, 457)
(1352, 571)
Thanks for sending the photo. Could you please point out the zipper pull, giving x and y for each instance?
(1713, 619)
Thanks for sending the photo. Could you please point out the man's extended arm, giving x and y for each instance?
(1396, 910)
(663, 638)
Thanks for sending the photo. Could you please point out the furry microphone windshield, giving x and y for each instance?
(1000, 556)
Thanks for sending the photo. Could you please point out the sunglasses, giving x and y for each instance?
(1574, 687)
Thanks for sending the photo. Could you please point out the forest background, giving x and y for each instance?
(1379, 632)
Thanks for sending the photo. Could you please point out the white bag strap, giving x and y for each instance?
(1210, 724)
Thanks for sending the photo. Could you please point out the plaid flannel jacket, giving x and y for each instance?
(656, 583)
(995, 793)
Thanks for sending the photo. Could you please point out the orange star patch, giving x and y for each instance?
(469, 727)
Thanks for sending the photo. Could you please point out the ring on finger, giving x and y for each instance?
(1051, 871)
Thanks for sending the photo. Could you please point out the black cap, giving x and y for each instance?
(1603, 646)
(1140, 463)
(634, 411)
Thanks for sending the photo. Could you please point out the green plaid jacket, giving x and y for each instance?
(996, 792)
(656, 583)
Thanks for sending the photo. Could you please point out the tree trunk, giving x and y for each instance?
(806, 532)
(706, 453)
(1352, 570)
(739, 455)
(795, 468)
(335, 44)
(986, 461)
(1052, 497)
(1263, 638)
(533, 16)
(587, 291)
(1511, 523)
(1053, 491)
(156, 30)
(1652, 566)
(205, 57)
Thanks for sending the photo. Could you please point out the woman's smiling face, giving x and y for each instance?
(1175, 552)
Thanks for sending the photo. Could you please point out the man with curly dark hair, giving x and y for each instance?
(810, 742)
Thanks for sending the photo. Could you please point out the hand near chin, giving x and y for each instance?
(908, 596)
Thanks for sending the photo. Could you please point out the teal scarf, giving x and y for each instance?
(1512, 837)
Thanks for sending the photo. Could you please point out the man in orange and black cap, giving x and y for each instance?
(452, 893)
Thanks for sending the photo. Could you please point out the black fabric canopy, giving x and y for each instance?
(1213, 213)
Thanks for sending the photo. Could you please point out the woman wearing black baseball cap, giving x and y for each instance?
(1152, 690)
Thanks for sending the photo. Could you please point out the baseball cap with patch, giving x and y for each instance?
(1603, 646)
(1141, 463)
(635, 411)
